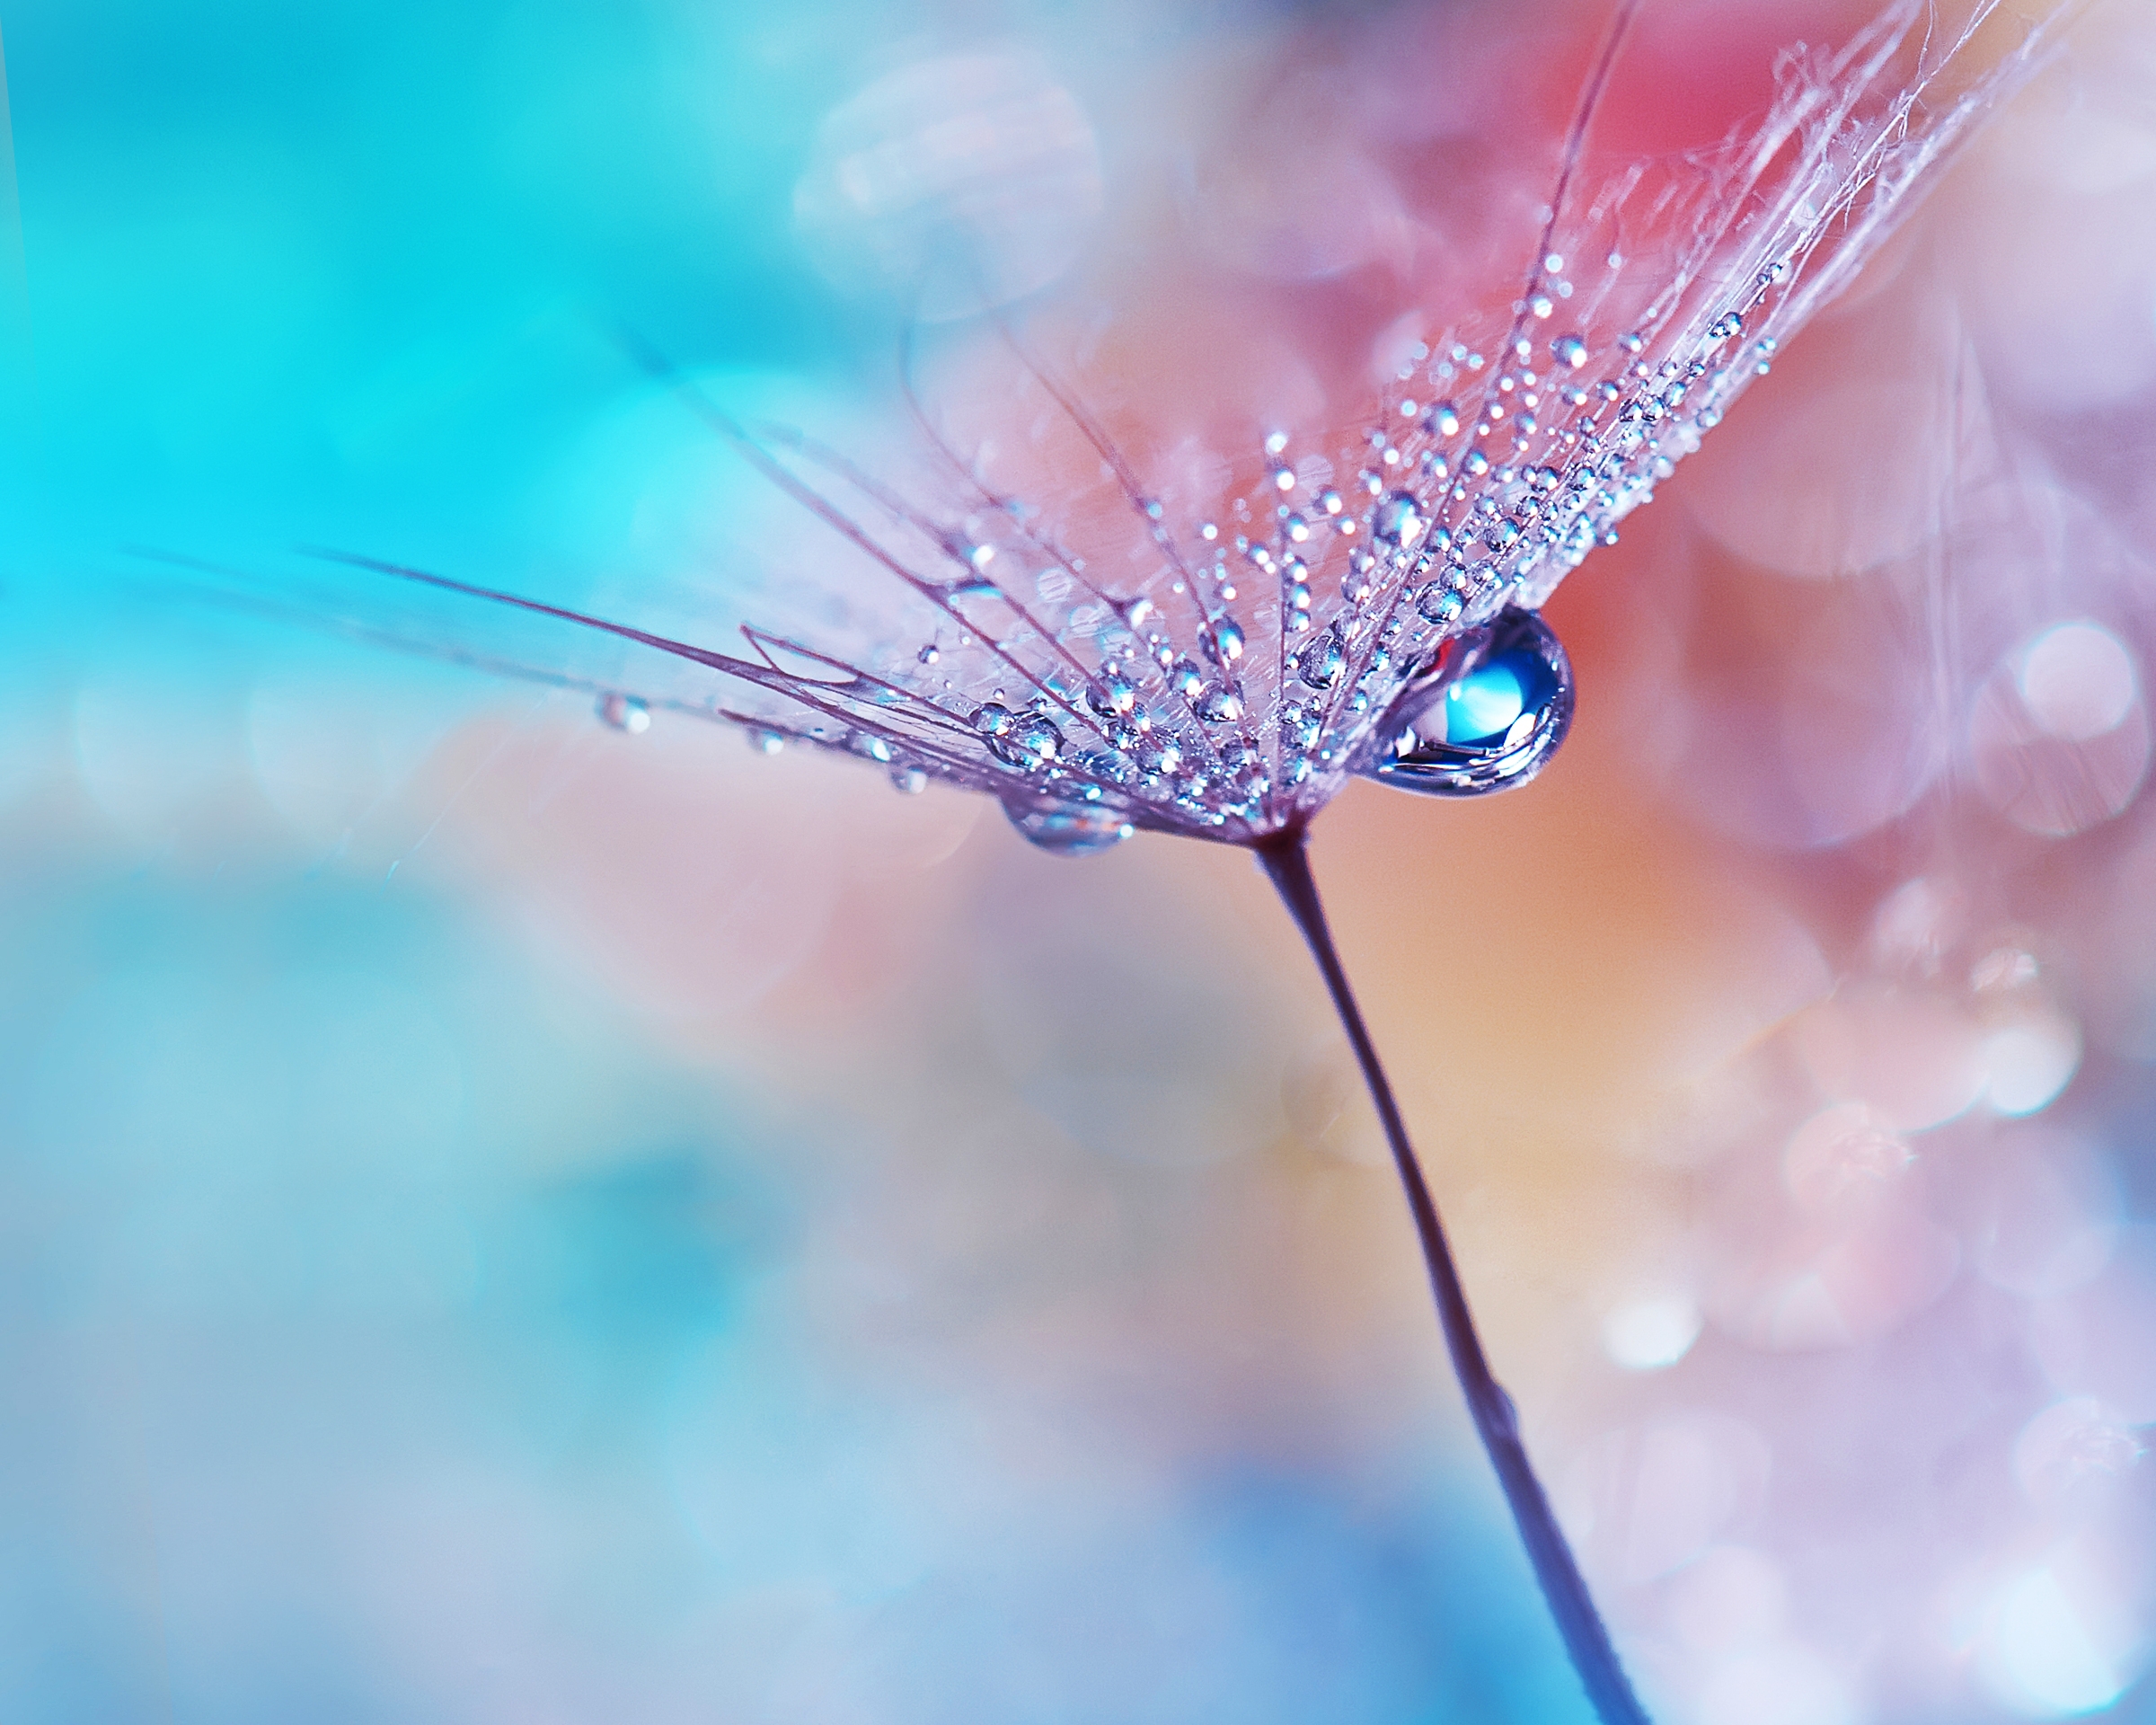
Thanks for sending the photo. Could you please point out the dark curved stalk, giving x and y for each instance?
(1285, 861)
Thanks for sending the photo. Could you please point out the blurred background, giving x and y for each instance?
(509, 1218)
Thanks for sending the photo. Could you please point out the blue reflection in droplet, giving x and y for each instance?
(1488, 713)
(1484, 703)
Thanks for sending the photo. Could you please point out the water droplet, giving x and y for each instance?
(765, 741)
(1223, 641)
(1283, 479)
(1542, 304)
(1632, 341)
(1329, 501)
(625, 712)
(1725, 326)
(1488, 713)
(1323, 660)
(1113, 696)
(1067, 829)
(908, 780)
(1275, 442)
(1220, 704)
(1185, 679)
(1356, 585)
(1398, 520)
(1444, 419)
(1297, 528)
(1028, 741)
(869, 744)
(1474, 464)
(1438, 604)
(929, 655)
(1137, 613)
(1570, 350)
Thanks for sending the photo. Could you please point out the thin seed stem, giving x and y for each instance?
(1286, 863)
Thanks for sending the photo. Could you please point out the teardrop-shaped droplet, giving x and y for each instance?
(1398, 520)
(1220, 704)
(1569, 350)
(1444, 419)
(1487, 715)
(765, 741)
(1068, 829)
(1113, 696)
(1224, 642)
(1323, 660)
(625, 712)
(908, 780)
(1438, 604)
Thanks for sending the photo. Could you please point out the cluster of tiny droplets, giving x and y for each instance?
(1235, 691)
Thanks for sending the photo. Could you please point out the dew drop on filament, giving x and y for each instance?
(1488, 713)
(1323, 660)
(1438, 604)
(1398, 520)
(1220, 704)
(1028, 741)
(625, 712)
(1224, 642)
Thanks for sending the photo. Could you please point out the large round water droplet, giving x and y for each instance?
(1489, 714)
(1068, 829)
